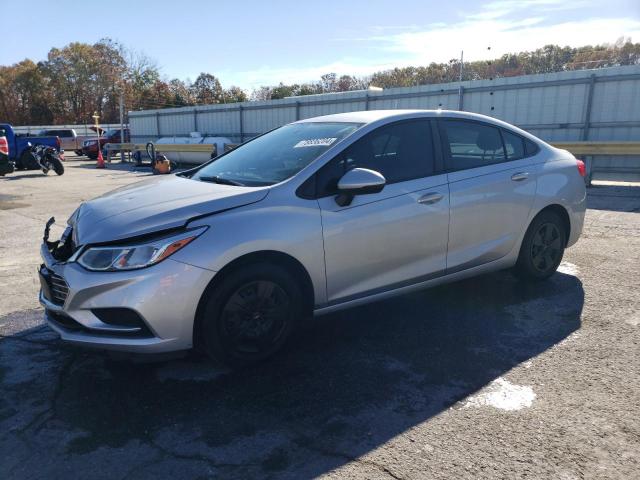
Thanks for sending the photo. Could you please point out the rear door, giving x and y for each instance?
(492, 183)
(395, 237)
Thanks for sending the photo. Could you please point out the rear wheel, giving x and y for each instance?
(542, 248)
(28, 161)
(250, 315)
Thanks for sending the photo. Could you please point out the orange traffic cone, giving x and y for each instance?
(100, 163)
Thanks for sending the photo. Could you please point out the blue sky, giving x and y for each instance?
(253, 43)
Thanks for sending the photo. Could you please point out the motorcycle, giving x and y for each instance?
(44, 157)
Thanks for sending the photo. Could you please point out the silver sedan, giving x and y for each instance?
(315, 216)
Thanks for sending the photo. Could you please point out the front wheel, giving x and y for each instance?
(57, 165)
(542, 248)
(251, 314)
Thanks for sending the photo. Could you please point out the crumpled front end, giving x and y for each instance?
(149, 310)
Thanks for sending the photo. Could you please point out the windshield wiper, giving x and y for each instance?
(221, 181)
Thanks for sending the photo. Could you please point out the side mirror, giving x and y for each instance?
(359, 181)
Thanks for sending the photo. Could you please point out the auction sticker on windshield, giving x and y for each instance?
(315, 142)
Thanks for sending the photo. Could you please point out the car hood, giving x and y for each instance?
(156, 204)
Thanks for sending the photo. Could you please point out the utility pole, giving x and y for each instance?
(121, 125)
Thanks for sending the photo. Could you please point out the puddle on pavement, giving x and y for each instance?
(503, 395)
(633, 320)
(568, 268)
(7, 202)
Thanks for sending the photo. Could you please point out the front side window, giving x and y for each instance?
(277, 155)
(471, 144)
(400, 152)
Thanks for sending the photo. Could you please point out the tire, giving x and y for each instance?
(57, 165)
(28, 161)
(249, 316)
(542, 247)
(92, 157)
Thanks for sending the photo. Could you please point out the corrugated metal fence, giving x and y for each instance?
(81, 129)
(601, 104)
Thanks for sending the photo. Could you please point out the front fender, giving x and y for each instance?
(286, 225)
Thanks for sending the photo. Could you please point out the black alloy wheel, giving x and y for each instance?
(255, 317)
(542, 247)
(546, 247)
(249, 313)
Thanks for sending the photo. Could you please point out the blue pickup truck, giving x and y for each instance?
(18, 144)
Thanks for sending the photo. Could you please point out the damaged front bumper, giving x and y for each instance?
(151, 310)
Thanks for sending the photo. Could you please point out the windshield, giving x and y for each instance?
(277, 155)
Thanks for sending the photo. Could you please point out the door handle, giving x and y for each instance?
(430, 198)
(520, 176)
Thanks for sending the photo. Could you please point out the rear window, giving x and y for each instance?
(57, 133)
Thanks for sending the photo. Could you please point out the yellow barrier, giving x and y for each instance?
(577, 148)
(178, 147)
(600, 148)
(118, 146)
(163, 147)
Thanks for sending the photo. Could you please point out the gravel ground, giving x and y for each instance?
(485, 378)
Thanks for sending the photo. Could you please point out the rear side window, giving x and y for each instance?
(400, 152)
(530, 147)
(514, 145)
(471, 144)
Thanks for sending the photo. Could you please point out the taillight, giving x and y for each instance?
(4, 146)
(58, 142)
(582, 170)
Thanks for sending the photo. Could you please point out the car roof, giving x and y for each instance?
(370, 116)
(383, 116)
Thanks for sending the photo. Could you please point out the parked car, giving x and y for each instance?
(19, 147)
(315, 216)
(6, 165)
(90, 147)
(69, 139)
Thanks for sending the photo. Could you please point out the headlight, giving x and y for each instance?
(139, 255)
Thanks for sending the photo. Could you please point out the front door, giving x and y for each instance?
(392, 238)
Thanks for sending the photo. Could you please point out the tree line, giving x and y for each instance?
(79, 79)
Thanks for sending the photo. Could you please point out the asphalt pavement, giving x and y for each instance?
(484, 378)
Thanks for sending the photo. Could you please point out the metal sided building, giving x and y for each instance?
(601, 104)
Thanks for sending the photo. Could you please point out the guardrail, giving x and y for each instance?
(577, 148)
(596, 156)
(600, 148)
(589, 149)
(164, 147)
(168, 147)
